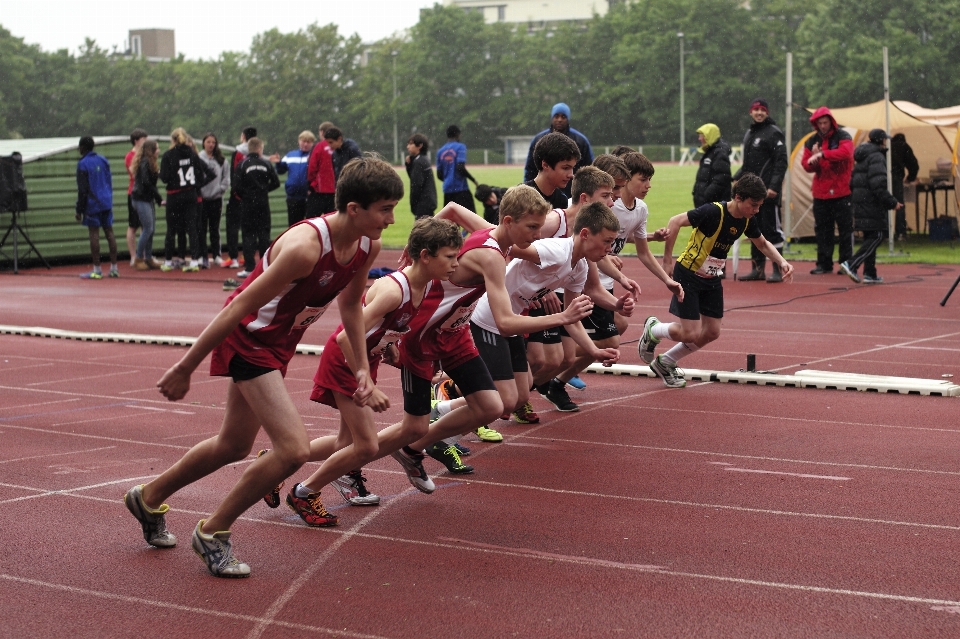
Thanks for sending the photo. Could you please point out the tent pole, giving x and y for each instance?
(788, 130)
(891, 215)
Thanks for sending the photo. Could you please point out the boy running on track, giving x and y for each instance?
(389, 306)
(716, 226)
(253, 338)
(483, 268)
(603, 326)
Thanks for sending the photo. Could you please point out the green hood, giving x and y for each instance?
(711, 132)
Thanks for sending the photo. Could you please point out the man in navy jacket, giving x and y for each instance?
(95, 205)
(559, 122)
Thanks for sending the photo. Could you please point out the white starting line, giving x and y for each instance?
(827, 380)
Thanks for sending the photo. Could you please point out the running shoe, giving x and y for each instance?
(489, 435)
(648, 343)
(849, 272)
(876, 279)
(92, 275)
(193, 267)
(577, 383)
(446, 390)
(151, 520)
(242, 274)
(351, 487)
(166, 267)
(113, 273)
(526, 415)
(219, 261)
(413, 465)
(205, 263)
(558, 396)
(217, 552)
(272, 498)
(434, 412)
(310, 509)
(671, 375)
(464, 451)
(230, 284)
(449, 456)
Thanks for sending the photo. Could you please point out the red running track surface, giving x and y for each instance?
(717, 510)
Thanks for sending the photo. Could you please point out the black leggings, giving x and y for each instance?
(209, 222)
(181, 222)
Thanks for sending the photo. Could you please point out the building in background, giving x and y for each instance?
(154, 45)
(536, 14)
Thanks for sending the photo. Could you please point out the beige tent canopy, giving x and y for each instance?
(933, 134)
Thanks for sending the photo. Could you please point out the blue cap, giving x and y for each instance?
(560, 107)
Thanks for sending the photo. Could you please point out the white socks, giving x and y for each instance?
(679, 351)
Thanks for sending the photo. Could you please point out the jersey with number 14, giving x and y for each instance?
(269, 336)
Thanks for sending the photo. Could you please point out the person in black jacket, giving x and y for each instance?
(902, 160)
(765, 154)
(344, 149)
(713, 177)
(423, 188)
(559, 123)
(253, 180)
(490, 197)
(183, 173)
(871, 201)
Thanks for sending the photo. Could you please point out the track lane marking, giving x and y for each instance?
(73, 452)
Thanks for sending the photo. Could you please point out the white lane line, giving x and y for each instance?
(72, 452)
(753, 457)
(906, 344)
(82, 379)
(86, 436)
(336, 632)
(36, 404)
(774, 472)
(116, 398)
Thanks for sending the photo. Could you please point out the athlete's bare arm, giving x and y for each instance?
(770, 251)
(575, 330)
(648, 260)
(674, 225)
(351, 314)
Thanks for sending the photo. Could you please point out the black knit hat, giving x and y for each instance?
(877, 136)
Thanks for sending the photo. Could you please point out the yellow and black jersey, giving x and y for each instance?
(714, 232)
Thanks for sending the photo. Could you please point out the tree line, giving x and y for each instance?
(619, 73)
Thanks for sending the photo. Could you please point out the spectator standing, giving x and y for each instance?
(183, 173)
(95, 205)
(211, 206)
(295, 162)
(423, 188)
(321, 180)
(344, 149)
(137, 136)
(254, 179)
(143, 196)
(765, 155)
(828, 154)
(902, 160)
(560, 123)
(871, 201)
(233, 203)
(452, 170)
(712, 183)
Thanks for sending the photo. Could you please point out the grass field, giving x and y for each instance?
(671, 194)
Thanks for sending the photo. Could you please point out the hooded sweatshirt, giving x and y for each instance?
(831, 175)
(712, 183)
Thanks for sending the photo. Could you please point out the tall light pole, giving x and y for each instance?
(396, 147)
(683, 136)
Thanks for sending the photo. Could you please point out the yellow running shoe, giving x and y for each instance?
(489, 435)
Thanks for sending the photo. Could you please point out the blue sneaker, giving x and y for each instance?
(577, 383)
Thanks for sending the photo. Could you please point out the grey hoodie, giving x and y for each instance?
(219, 185)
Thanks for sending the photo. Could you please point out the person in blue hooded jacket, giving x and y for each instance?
(559, 122)
(95, 205)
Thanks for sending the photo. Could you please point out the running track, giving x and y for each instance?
(714, 511)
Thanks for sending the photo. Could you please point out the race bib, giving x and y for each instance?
(711, 267)
(388, 338)
(458, 319)
(307, 316)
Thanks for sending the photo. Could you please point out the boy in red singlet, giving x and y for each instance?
(389, 307)
(253, 338)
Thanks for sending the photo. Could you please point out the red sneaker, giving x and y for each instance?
(310, 509)
(526, 415)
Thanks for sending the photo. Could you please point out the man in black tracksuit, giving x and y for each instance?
(765, 154)
(253, 180)
(871, 201)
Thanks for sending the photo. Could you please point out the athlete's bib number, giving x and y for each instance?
(306, 317)
(459, 318)
(388, 338)
(186, 178)
(711, 267)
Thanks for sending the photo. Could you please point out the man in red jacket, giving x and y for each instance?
(828, 154)
(321, 181)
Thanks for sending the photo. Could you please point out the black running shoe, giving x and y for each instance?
(558, 396)
(449, 456)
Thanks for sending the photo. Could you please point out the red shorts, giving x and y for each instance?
(449, 349)
(224, 351)
(334, 375)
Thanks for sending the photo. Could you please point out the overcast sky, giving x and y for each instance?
(204, 28)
